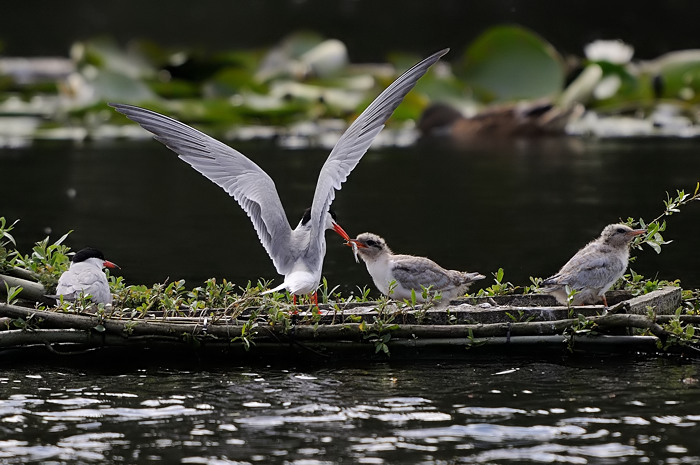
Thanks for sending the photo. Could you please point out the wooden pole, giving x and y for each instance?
(30, 290)
(344, 331)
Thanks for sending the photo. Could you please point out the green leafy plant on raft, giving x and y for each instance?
(655, 227)
(499, 287)
(47, 261)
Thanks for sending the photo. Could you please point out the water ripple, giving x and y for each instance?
(505, 412)
(488, 432)
(120, 413)
(557, 453)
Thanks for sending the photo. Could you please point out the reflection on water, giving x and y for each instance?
(502, 411)
(526, 206)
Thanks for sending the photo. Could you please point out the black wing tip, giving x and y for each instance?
(442, 52)
(126, 109)
(120, 107)
(435, 56)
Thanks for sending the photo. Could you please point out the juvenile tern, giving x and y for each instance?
(296, 253)
(594, 268)
(85, 276)
(408, 272)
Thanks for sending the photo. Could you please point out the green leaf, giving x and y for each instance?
(62, 238)
(512, 63)
(655, 246)
(499, 275)
(9, 236)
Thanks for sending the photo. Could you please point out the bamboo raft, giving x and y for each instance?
(520, 325)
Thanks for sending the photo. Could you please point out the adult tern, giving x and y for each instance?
(594, 268)
(408, 272)
(85, 276)
(296, 253)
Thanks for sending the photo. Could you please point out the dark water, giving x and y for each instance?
(605, 411)
(526, 206)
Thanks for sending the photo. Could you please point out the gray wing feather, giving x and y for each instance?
(421, 271)
(593, 272)
(356, 140)
(245, 181)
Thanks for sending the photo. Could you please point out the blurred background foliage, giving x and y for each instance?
(270, 70)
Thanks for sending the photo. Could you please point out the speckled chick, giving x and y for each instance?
(408, 271)
(594, 268)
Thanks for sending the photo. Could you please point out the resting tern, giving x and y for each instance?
(85, 276)
(408, 272)
(594, 268)
(296, 253)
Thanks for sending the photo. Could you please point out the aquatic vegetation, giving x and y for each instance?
(308, 77)
(501, 52)
(499, 287)
(655, 227)
(45, 263)
(5, 240)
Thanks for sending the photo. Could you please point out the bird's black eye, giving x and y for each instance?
(621, 230)
(372, 243)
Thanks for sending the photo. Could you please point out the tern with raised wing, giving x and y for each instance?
(85, 277)
(410, 274)
(296, 253)
(594, 268)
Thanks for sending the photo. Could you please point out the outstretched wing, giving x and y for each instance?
(355, 142)
(245, 181)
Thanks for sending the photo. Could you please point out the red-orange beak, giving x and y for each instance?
(341, 231)
(637, 232)
(108, 264)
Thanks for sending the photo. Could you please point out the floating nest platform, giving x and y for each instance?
(520, 325)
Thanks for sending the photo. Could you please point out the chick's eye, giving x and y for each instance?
(620, 230)
(371, 243)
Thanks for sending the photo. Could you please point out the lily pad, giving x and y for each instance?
(677, 75)
(512, 63)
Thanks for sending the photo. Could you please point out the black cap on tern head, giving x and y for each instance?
(87, 252)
